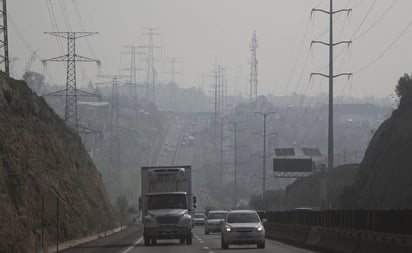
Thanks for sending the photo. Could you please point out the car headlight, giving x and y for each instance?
(259, 228)
(228, 229)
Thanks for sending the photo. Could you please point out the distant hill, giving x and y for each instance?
(305, 192)
(41, 160)
(385, 174)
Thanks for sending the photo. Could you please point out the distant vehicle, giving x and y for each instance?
(214, 221)
(199, 219)
(243, 227)
(167, 203)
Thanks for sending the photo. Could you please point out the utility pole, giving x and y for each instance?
(264, 135)
(235, 147)
(151, 71)
(330, 76)
(71, 92)
(253, 80)
(4, 58)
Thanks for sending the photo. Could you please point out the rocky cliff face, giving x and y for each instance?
(385, 174)
(44, 172)
(305, 192)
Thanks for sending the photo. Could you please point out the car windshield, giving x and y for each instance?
(243, 218)
(169, 201)
(213, 216)
(198, 215)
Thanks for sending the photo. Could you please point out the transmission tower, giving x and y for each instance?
(253, 80)
(151, 71)
(330, 76)
(4, 58)
(173, 85)
(132, 94)
(71, 92)
(113, 173)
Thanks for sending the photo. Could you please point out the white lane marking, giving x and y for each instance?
(134, 245)
(206, 248)
(201, 241)
(211, 252)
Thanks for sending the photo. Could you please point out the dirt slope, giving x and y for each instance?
(40, 158)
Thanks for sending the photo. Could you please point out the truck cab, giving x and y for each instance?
(167, 203)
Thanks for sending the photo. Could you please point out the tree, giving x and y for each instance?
(271, 200)
(404, 89)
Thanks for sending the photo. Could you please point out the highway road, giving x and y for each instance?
(132, 242)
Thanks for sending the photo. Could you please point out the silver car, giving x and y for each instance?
(243, 227)
(214, 221)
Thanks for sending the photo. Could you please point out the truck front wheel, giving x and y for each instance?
(146, 241)
(189, 240)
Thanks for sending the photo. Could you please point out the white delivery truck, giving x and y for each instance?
(167, 203)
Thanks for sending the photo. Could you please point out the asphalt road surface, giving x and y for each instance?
(201, 244)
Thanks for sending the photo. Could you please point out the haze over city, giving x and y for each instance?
(202, 34)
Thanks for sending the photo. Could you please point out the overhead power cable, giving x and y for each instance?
(387, 49)
(376, 21)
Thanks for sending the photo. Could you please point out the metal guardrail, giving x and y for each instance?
(381, 221)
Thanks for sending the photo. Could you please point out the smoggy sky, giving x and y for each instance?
(202, 33)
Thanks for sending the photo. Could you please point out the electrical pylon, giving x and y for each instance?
(172, 83)
(330, 76)
(253, 79)
(151, 71)
(132, 94)
(113, 173)
(71, 92)
(4, 58)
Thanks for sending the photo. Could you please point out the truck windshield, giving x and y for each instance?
(169, 201)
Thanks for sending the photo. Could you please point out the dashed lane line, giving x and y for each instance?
(134, 245)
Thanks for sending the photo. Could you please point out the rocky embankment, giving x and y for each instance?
(45, 176)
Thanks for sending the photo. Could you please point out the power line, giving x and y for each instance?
(376, 21)
(387, 49)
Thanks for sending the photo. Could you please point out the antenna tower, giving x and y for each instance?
(4, 58)
(71, 92)
(331, 76)
(253, 80)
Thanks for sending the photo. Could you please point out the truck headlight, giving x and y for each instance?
(186, 219)
(148, 219)
(259, 228)
(228, 229)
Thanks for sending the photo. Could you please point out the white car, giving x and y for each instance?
(214, 221)
(199, 219)
(243, 227)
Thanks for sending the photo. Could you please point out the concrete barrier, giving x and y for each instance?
(339, 240)
(285, 232)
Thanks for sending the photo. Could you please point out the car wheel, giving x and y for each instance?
(206, 232)
(182, 240)
(154, 241)
(224, 244)
(261, 245)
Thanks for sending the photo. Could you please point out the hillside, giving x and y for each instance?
(385, 176)
(304, 192)
(41, 159)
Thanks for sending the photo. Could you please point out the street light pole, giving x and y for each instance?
(264, 135)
